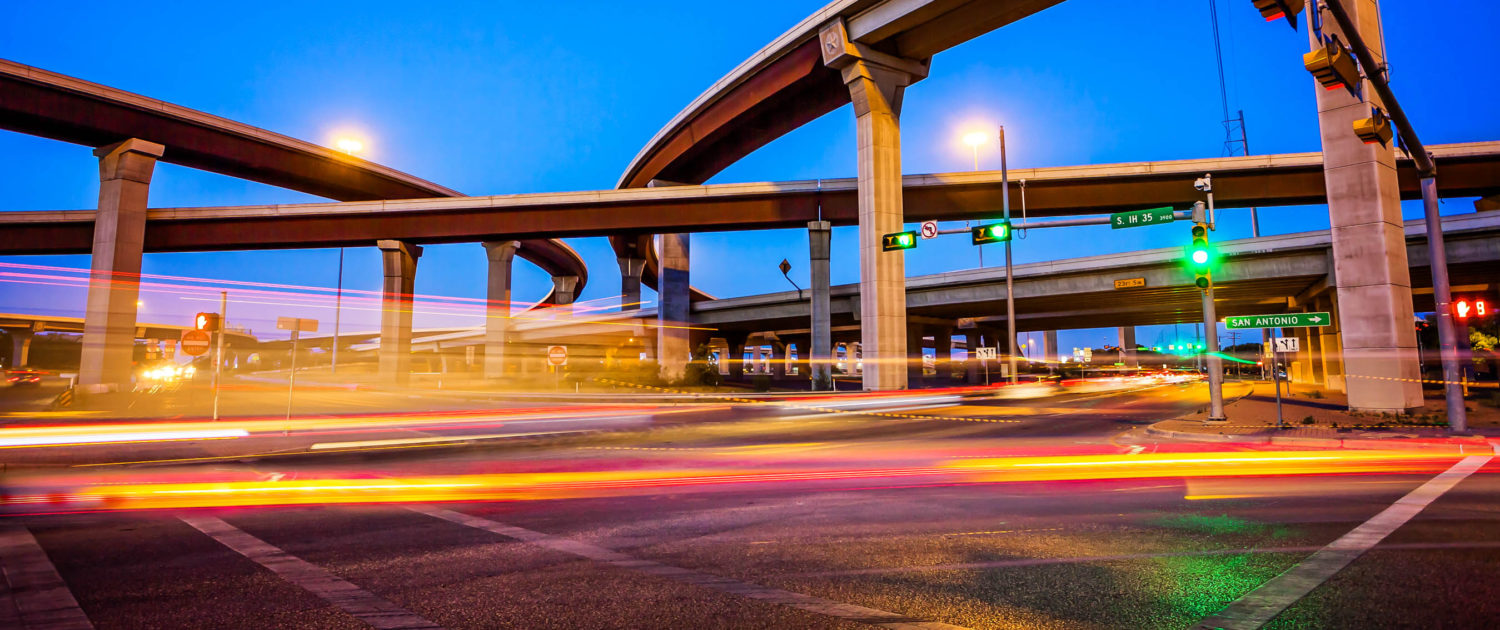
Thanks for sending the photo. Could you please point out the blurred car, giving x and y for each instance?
(23, 378)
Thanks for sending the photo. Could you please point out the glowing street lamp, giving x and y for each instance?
(974, 139)
(350, 145)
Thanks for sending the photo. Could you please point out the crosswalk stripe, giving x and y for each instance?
(31, 587)
(362, 604)
(1260, 606)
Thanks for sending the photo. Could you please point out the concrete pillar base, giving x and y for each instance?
(125, 170)
(399, 263)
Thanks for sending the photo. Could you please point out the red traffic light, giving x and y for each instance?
(1273, 9)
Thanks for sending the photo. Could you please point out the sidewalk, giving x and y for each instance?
(1316, 417)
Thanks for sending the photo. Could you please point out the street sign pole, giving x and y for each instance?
(1276, 379)
(219, 352)
(1215, 365)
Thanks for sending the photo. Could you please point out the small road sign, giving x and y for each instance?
(985, 353)
(784, 266)
(296, 325)
(194, 342)
(557, 355)
(1286, 344)
(1288, 320)
(1130, 283)
(929, 229)
(1138, 218)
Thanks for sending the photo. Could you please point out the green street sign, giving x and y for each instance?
(1287, 320)
(1138, 218)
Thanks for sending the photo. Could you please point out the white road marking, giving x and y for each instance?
(362, 604)
(1261, 605)
(322, 446)
(581, 549)
(41, 599)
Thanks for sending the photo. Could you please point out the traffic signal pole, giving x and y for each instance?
(1442, 295)
(219, 350)
(1215, 364)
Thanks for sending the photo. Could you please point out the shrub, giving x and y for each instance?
(1308, 420)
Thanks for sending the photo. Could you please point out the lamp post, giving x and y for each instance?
(1010, 295)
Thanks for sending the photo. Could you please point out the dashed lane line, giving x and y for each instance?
(30, 586)
(362, 604)
(859, 614)
(1261, 605)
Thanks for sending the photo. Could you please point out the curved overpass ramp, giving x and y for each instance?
(51, 105)
(786, 85)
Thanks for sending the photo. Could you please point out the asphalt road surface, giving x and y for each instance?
(909, 512)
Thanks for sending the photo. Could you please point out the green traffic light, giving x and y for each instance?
(992, 233)
(1200, 256)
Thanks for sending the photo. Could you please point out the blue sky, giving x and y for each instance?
(511, 97)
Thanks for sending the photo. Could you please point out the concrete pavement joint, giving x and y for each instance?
(858, 614)
(1263, 604)
(362, 604)
(29, 581)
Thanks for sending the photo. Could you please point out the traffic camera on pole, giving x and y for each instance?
(1376, 128)
(206, 322)
(1333, 66)
(1273, 9)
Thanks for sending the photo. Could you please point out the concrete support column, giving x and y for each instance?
(501, 255)
(1369, 246)
(736, 358)
(630, 281)
(673, 305)
(915, 339)
(125, 172)
(399, 263)
(820, 349)
(876, 83)
(777, 357)
(20, 347)
(564, 292)
(1127, 346)
(1328, 343)
(942, 347)
(971, 366)
(1049, 348)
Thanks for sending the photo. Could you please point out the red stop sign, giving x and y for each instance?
(194, 342)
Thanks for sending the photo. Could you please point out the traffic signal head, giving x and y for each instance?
(899, 240)
(207, 322)
(992, 233)
(1272, 9)
(1333, 66)
(1467, 308)
(1376, 128)
(1199, 256)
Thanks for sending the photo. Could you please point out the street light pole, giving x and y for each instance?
(338, 310)
(1010, 295)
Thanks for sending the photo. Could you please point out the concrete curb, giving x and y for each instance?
(1458, 447)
